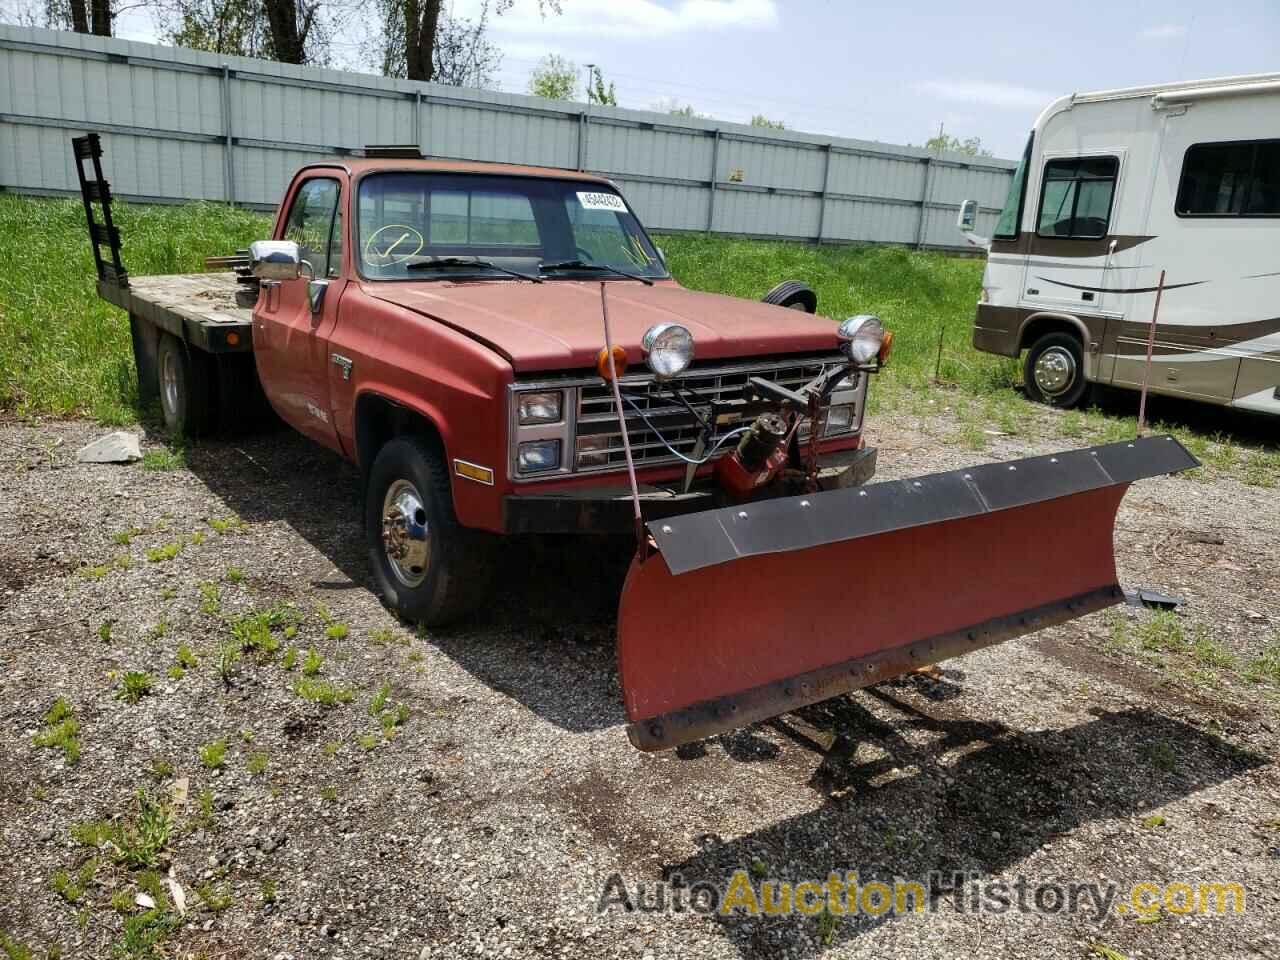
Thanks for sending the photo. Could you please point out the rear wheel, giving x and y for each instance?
(427, 567)
(186, 390)
(1053, 372)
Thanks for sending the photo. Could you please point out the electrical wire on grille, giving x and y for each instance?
(666, 443)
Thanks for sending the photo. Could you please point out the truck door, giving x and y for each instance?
(295, 318)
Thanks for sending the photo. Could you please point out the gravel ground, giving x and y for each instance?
(486, 816)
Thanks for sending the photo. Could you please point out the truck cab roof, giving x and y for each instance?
(357, 166)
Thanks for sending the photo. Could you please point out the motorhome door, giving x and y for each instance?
(1071, 248)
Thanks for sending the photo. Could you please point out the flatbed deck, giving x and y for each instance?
(199, 308)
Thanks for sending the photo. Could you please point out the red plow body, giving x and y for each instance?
(743, 613)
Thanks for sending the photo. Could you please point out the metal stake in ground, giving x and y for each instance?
(1146, 370)
(937, 366)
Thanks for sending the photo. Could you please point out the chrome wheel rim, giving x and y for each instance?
(405, 534)
(1055, 371)
(169, 381)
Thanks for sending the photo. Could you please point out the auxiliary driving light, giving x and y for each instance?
(860, 337)
(668, 349)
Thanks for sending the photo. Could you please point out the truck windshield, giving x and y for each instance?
(514, 222)
(1011, 216)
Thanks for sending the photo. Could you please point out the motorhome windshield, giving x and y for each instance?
(407, 221)
(1011, 215)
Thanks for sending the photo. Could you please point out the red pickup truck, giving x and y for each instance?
(439, 324)
(502, 349)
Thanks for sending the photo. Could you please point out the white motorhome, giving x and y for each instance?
(1115, 187)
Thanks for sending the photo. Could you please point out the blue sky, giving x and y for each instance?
(881, 70)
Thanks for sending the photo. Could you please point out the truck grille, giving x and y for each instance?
(599, 442)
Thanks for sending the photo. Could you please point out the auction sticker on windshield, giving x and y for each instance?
(602, 201)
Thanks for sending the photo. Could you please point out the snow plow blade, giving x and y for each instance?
(743, 613)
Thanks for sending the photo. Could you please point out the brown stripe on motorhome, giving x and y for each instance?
(1131, 335)
(999, 329)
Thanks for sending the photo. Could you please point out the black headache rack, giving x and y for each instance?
(93, 189)
(209, 311)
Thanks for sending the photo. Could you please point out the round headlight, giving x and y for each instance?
(861, 337)
(668, 349)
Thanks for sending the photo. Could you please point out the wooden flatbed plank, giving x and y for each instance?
(202, 297)
(197, 307)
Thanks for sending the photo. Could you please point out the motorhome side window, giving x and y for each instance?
(1230, 180)
(1075, 201)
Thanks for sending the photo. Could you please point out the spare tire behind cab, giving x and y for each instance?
(793, 295)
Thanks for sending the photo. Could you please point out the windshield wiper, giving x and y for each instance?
(432, 263)
(594, 268)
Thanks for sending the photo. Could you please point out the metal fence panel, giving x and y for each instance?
(186, 125)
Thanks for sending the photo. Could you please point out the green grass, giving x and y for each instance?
(1265, 668)
(134, 685)
(324, 692)
(915, 294)
(164, 458)
(214, 754)
(62, 350)
(134, 842)
(61, 730)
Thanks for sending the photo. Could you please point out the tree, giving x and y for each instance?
(234, 27)
(673, 107)
(291, 31)
(555, 78)
(82, 16)
(290, 21)
(760, 120)
(420, 40)
(596, 90)
(463, 55)
(945, 143)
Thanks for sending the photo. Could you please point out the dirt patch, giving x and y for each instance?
(470, 792)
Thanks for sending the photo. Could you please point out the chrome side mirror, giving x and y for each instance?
(277, 260)
(968, 218)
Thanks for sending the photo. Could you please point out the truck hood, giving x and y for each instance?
(556, 325)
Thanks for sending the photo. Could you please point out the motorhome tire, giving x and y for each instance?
(793, 295)
(1053, 372)
(185, 381)
(427, 567)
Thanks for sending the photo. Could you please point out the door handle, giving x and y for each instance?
(343, 363)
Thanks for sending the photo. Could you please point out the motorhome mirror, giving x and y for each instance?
(968, 218)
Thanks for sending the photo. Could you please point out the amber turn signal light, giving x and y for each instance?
(886, 345)
(619, 362)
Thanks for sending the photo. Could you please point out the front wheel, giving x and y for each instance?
(427, 567)
(1054, 370)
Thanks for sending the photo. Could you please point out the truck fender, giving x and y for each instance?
(369, 438)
